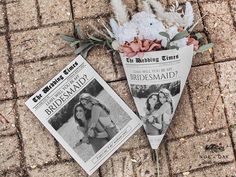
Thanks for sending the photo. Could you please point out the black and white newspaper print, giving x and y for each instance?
(156, 82)
(84, 114)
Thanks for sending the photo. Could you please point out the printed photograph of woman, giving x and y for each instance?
(96, 138)
(99, 127)
(90, 120)
(158, 107)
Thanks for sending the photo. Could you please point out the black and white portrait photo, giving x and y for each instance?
(155, 104)
(90, 120)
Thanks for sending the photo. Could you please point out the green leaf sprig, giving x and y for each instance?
(83, 46)
(177, 37)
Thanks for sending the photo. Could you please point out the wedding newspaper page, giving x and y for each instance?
(84, 114)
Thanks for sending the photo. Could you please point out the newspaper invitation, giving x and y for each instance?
(84, 114)
(156, 82)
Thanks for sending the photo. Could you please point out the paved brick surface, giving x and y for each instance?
(64, 169)
(91, 26)
(9, 153)
(233, 130)
(138, 140)
(39, 144)
(230, 105)
(10, 174)
(183, 122)
(35, 74)
(233, 8)
(206, 98)
(5, 86)
(202, 136)
(7, 118)
(122, 89)
(18, 14)
(39, 43)
(64, 155)
(105, 66)
(2, 23)
(217, 171)
(197, 17)
(89, 8)
(54, 11)
(226, 72)
(145, 166)
(219, 24)
(196, 152)
(202, 58)
(122, 164)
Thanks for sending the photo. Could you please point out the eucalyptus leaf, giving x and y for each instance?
(109, 45)
(165, 34)
(68, 38)
(94, 38)
(81, 48)
(199, 35)
(84, 53)
(74, 43)
(173, 47)
(180, 35)
(205, 48)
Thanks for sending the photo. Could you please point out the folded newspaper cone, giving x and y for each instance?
(156, 82)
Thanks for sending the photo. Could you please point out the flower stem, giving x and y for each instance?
(156, 160)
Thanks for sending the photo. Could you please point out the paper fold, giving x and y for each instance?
(156, 82)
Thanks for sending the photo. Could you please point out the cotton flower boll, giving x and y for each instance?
(139, 17)
(126, 33)
(148, 26)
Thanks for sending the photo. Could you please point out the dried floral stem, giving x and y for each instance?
(157, 163)
(155, 160)
(146, 7)
(99, 31)
(198, 21)
(120, 12)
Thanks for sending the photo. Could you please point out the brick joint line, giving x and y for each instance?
(14, 92)
(218, 82)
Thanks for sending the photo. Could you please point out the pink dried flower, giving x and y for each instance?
(194, 42)
(138, 47)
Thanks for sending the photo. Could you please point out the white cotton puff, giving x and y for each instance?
(148, 26)
(127, 32)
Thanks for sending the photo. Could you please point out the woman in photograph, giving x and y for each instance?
(100, 115)
(152, 123)
(164, 110)
(82, 118)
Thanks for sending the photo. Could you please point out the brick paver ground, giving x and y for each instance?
(31, 52)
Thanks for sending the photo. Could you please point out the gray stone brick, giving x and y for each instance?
(39, 145)
(195, 152)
